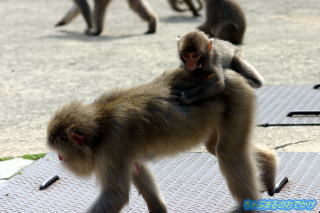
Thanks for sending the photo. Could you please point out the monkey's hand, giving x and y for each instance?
(185, 99)
(181, 97)
(176, 92)
(254, 83)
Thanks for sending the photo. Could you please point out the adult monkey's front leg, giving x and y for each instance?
(114, 177)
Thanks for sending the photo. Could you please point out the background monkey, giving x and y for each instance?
(206, 58)
(121, 130)
(95, 22)
(195, 11)
(225, 20)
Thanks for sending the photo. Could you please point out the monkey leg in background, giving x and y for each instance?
(95, 21)
(122, 129)
(142, 8)
(71, 14)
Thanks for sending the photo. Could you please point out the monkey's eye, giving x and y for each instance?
(196, 55)
(185, 55)
(64, 137)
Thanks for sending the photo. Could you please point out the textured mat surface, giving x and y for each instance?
(189, 182)
(276, 102)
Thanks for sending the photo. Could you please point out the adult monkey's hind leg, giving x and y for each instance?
(73, 12)
(265, 158)
(142, 8)
(234, 150)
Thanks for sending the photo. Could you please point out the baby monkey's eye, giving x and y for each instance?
(196, 55)
(185, 55)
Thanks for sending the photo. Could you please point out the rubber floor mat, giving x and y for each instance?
(189, 182)
(289, 105)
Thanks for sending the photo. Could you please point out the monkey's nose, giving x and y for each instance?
(60, 157)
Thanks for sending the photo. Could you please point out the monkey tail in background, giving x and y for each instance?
(189, 3)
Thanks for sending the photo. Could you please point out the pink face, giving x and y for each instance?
(191, 60)
(77, 139)
(60, 157)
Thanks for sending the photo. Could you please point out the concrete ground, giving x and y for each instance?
(42, 67)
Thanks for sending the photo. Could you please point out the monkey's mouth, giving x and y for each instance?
(193, 66)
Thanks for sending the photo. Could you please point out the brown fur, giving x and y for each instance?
(195, 11)
(222, 55)
(225, 20)
(94, 21)
(128, 127)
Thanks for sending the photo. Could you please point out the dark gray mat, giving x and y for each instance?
(275, 103)
(189, 182)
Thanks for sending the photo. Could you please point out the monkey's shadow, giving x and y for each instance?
(77, 35)
(180, 19)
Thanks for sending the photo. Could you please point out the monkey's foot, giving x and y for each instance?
(60, 23)
(239, 209)
(196, 15)
(149, 32)
(270, 192)
(152, 27)
(92, 32)
(157, 207)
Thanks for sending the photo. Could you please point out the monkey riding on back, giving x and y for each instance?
(205, 59)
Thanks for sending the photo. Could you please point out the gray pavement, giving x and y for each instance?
(42, 67)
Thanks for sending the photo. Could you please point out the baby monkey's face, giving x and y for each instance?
(191, 60)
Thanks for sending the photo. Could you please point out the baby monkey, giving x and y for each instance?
(206, 58)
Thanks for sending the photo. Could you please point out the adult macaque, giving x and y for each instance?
(225, 20)
(94, 20)
(115, 135)
(205, 58)
(195, 11)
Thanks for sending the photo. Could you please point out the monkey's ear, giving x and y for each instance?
(210, 44)
(178, 38)
(76, 138)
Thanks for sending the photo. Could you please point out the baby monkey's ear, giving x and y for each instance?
(210, 44)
